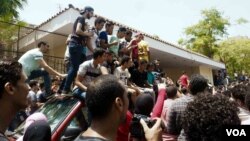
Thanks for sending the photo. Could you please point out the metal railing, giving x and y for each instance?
(12, 33)
(56, 63)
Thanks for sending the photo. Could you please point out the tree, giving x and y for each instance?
(9, 8)
(9, 32)
(235, 53)
(241, 21)
(9, 14)
(203, 36)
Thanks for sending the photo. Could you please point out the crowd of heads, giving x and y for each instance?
(207, 116)
(207, 110)
(101, 95)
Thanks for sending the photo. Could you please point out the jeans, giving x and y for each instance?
(64, 79)
(47, 80)
(76, 58)
(78, 93)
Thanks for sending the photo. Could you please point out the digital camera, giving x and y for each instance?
(136, 129)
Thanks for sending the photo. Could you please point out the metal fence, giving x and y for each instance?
(56, 63)
(11, 38)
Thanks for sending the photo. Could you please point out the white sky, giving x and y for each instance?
(165, 18)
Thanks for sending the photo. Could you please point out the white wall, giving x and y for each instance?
(175, 73)
(207, 73)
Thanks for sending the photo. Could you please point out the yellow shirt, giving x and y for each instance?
(143, 50)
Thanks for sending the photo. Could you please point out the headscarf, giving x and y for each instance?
(38, 131)
(39, 120)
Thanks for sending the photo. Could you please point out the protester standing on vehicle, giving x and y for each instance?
(77, 44)
(35, 66)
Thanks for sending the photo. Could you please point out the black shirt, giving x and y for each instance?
(82, 138)
(139, 78)
(75, 38)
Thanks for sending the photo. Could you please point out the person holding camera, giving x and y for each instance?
(107, 102)
(148, 111)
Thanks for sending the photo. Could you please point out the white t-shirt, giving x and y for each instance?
(123, 75)
(32, 96)
(29, 60)
(245, 122)
(88, 71)
(93, 41)
(243, 114)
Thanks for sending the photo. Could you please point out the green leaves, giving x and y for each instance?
(9, 14)
(203, 36)
(235, 53)
(241, 21)
(8, 8)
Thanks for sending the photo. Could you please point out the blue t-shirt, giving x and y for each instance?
(104, 36)
(151, 78)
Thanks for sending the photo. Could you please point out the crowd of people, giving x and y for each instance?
(113, 75)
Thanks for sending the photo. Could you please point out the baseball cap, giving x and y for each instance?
(86, 8)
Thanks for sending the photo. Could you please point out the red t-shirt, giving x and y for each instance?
(184, 80)
(134, 50)
(123, 130)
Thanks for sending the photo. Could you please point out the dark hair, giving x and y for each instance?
(9, 72)
(110, 53)
(162, 74)
(98, 52)
(125, 59)
(101, 95)
(247, 99)
(143, 61)
(109, 23)
(122, 29)
(144, 104)
(86, 8)
(41, 85)
(171, 91)
(41, 43)
(128, 32)
(205, 117)
(197, 84)
(150, 65)
(227, 93)
(33, 83)
(239, 92)
(184, 90)
(99, 20)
